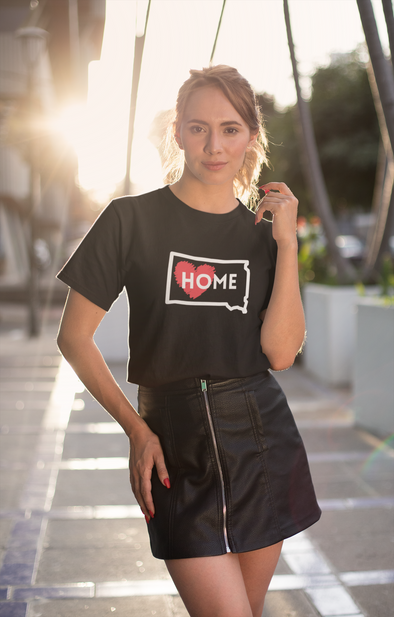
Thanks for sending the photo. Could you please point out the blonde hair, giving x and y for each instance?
(240, 94)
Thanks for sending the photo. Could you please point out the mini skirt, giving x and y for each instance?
(239, 474)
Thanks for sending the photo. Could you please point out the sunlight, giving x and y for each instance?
(101, 144)
(180, 36)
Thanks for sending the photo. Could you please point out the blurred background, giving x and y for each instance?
(85, 90)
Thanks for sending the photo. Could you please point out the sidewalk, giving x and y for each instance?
(74, 542)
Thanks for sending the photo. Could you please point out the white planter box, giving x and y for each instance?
(112, 334)
(374, 367)
(331, 332)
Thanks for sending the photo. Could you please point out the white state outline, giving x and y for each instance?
(208, 260)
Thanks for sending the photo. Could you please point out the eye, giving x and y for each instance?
(196, 129)
(231, 130)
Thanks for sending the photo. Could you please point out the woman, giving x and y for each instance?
(216, 462)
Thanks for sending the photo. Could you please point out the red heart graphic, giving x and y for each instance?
(193, 281)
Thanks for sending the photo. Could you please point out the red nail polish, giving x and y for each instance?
(147, 519)
(262, 186)
(151, 514)
(167, 483)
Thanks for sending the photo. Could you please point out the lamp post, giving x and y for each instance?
(33, 42)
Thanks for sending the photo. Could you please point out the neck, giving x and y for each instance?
(207, 198)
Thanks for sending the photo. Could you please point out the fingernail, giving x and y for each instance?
(151, 514)
(167, 483)
(147, 519)
(262, 186)
(255, 221)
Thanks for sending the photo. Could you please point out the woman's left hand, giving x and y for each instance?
(283, 205)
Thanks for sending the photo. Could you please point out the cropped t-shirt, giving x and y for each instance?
(196, 284)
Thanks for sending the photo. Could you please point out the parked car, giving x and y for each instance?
(350, 247)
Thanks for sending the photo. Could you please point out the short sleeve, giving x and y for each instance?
(95, 269)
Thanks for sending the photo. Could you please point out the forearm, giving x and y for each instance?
(283, 329)
(85, 358)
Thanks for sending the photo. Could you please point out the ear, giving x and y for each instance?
(252, 141)
(178, 139)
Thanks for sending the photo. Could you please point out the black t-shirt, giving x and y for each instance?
(196, 284)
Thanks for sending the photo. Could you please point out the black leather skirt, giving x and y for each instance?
(239, 474)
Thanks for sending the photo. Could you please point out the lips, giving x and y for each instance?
(215, 166)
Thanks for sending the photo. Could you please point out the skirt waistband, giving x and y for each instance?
(195, 382)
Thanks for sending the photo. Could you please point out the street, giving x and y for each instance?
(74, 541)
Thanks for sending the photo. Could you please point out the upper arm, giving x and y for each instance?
(80, 319)
(262, 314)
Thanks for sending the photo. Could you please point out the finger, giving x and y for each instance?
(276, 186)
(162, 472)
(146, 494)
(138, 496)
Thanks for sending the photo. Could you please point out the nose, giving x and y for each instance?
(213, 144)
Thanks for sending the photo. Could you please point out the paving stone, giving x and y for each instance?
(288, 604)
(21, 417)
(38, 373)
(158, 606)
(93, 565)
(346, 524)
(327, 489)
(381, 487)
(96, 533)
(18, 448)
(87, 445)
(18, 402)
(12, 484)
(93, 488)
(351, 554)
(333, 439)
(332, 470)
(93, 414)
(177, 607)
(6, 527)
(375, 600)
(13, 609)
(282, 567)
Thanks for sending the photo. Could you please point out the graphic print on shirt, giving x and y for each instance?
(202, 281)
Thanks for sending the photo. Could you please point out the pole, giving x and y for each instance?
(315, 178)
(33, 41)
(217, 33)
(138, 53)
(73, 20)
(34, 199)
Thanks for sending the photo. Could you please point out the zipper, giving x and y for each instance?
(215, 447)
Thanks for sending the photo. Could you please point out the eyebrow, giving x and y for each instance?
(228, 123)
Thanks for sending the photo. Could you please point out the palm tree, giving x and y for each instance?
(382, 85)
(388, 14)
(381, 68)
(314, 175)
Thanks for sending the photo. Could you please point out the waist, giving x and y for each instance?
(219, 383)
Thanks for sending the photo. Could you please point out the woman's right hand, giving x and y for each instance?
(145, 453)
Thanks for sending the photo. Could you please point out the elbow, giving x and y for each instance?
(62, 344)
(281, 360)
(66, 344)
(281, 363)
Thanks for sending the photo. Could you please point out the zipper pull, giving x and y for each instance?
(203, 385)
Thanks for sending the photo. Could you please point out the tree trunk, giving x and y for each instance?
(388, 14)
(315, 179)
(377, 240)
(383, 74)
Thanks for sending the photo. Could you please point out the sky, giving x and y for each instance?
(180, 36)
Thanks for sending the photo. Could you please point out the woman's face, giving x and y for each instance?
(213, 136)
